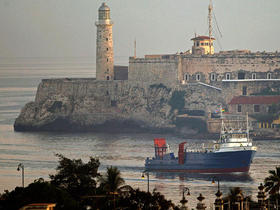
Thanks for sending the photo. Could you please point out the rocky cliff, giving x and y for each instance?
(90, 105)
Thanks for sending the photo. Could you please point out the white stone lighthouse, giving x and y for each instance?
(104, 45)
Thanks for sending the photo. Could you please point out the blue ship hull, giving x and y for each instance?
(210, 162)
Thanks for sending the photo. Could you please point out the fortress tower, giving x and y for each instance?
(104, 45)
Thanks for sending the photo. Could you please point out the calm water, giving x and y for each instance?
(37, 151)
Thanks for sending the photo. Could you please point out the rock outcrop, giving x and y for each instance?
(116, 106)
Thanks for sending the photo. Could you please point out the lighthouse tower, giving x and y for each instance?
(104, 45)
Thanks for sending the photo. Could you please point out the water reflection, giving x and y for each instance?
(230, 177)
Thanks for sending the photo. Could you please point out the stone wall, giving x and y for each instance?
(153, 70)
(185, 68)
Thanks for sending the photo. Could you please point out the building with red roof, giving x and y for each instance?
(252, 104)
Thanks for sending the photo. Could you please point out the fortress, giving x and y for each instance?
(199, 65)
(145, 92)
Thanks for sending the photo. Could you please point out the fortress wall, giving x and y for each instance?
(156, 70)
(222, 64)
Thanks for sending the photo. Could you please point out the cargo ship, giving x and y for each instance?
(233, 152)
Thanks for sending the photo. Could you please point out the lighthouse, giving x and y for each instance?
(104, 45)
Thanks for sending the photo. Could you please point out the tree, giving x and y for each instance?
(137, 199)
(38, 192)
(272, 184)
(112, 180)
(76, 177)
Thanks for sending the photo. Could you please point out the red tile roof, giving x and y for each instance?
(202, 38)
(255, 100)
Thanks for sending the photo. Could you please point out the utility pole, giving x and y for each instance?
(21, 166)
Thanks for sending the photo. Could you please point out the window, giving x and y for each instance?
(244, 90)
(198, 77)
(268, 76)
(241, 75)
(213, 77)
(197, 44)
(254, 76)
(227, 76)
(239, 108)
(202, 44)
(186, 77)
(107, 59)
(108, 77)
(107, 70)
(107, 49)
(107, 39)
(256, 108)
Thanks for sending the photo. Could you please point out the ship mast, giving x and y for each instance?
(247, 126)
(210, 8)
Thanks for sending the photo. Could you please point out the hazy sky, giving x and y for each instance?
(65, 28)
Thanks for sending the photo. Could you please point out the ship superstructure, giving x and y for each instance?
(233, 152)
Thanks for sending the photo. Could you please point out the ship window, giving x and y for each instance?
(198, 77)
(227, 76)
(268, 76)
(254, 76)
(256, 108)
(239, 108)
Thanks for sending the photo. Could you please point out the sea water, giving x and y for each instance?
(36, 150)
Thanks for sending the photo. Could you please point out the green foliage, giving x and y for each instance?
(272, 182)
(264, 117)
(177, 100)
(160, 86)
(112, 180)
(76, 177)
(193, 123)
(268, 92)
(38, 192)
(137, 199)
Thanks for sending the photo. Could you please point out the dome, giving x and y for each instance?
(104, 7)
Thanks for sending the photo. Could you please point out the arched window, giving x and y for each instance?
(108, 77)
(268, 76)
(186, 77)
(254, 76)
(227, 76)
(213, 76)
(198, 77)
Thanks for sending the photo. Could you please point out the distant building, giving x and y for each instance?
(252, 104)
(203, 45)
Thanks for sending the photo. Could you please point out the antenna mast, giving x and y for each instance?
(135, 48)
(210, 8)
